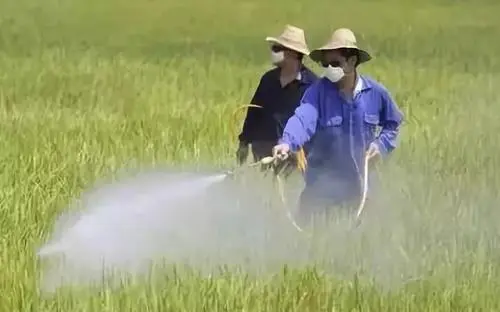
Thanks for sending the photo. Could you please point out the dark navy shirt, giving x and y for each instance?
(278, 105)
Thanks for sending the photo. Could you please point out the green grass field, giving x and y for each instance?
(87, 87)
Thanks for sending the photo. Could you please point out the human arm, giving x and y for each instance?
(391, 118)
(302, 125)
(252, 116)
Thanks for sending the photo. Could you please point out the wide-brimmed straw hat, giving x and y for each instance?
(341, 38)
(292, 38)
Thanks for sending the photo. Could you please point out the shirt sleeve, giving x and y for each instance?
(302, 125)
(391, 119)
(251, 118)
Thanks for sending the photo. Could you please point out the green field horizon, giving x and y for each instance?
(88, 88)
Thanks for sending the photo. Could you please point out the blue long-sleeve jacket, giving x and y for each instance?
(339, 131)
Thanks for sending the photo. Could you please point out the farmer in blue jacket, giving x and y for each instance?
(338, 116)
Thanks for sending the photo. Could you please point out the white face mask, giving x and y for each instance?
(277, 57)
(334, 74)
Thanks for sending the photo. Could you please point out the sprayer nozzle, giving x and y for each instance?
(267, 160)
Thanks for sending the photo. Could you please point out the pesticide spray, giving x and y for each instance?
(193, 219)
(124, 225)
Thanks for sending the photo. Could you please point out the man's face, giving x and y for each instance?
(335, 58)
(282, 54)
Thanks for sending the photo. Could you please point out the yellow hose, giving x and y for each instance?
(364, 185)
(281, 190)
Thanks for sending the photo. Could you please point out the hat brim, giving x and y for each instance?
(288, 45)
(317, 55)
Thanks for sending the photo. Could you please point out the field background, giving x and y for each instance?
(87, 87)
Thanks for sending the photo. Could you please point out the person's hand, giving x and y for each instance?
(373, 151)
(242, 153)
(281, 151)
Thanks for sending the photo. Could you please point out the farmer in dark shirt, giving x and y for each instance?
(278, 93)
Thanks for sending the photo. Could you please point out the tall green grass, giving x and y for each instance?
(87, 87)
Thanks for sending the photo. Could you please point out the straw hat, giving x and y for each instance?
(341, 38)
(292, 38)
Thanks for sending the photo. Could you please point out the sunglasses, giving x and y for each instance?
(332, 63)
(278, 48)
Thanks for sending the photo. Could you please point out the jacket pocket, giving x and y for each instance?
(371, 122)
(334, 121)
(371, 119)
